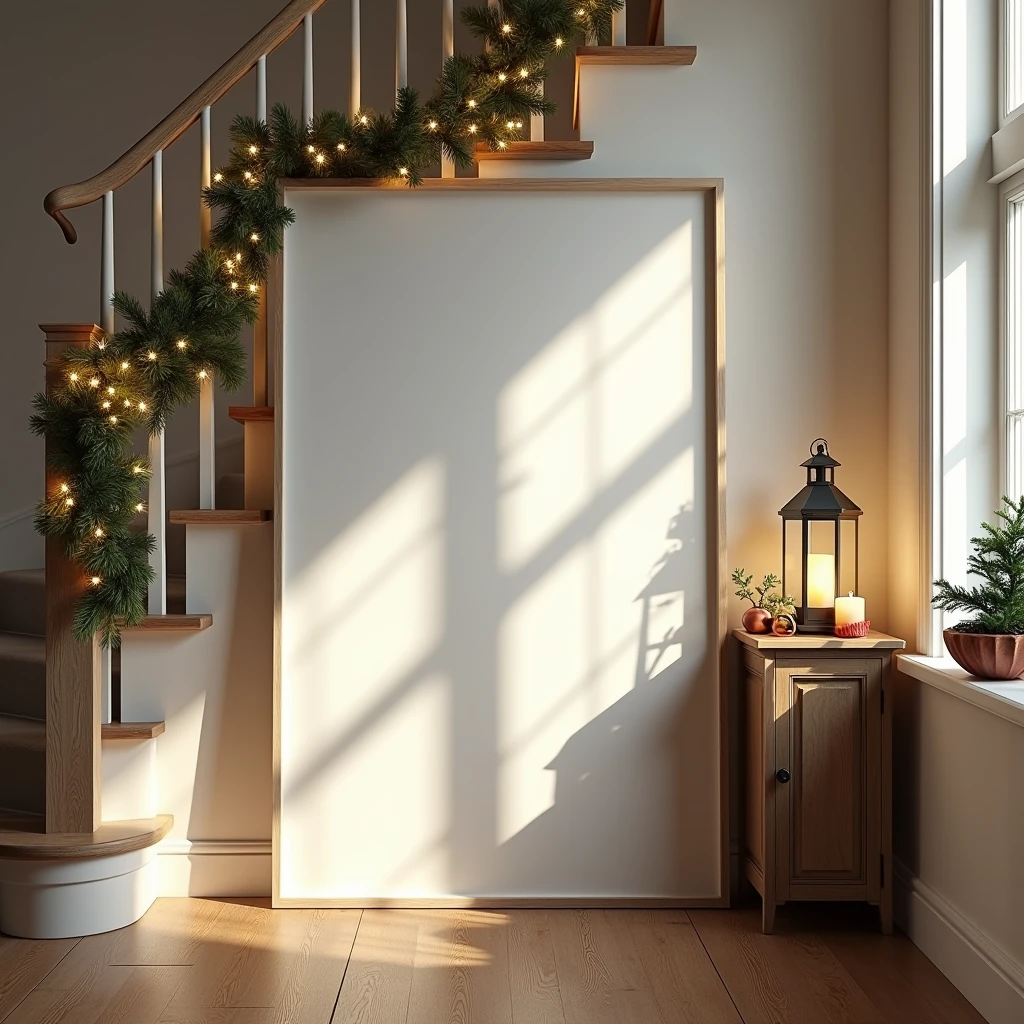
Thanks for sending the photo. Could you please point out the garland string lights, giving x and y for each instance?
(135, 378)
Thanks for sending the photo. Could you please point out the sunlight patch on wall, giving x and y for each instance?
(595, 398)
(588, 632)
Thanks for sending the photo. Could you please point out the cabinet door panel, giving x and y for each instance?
(824, 738)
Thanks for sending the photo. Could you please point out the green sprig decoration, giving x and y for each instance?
(137, 377)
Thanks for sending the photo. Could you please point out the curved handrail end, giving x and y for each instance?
(50, 205)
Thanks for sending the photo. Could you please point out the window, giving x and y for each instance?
(1012, 195)
(1013, 57)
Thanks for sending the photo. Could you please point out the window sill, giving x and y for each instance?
(1004, 698)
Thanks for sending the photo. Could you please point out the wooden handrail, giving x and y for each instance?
(180, 119)
(654, 22)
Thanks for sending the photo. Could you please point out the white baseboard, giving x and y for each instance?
(224, 868)
(985, 973)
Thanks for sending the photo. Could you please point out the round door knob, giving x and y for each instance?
(783, 775)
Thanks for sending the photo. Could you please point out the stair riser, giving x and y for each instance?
(22, 688)
(22, 780)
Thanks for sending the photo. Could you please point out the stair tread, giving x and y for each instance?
(173, 622)
(22, 837)
(30, 733)
(562, 149)
(221, 516)
(251, 413)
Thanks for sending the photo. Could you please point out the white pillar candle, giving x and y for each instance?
(821, 581)
(849, 610)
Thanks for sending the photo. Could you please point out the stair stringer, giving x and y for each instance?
(213, 689)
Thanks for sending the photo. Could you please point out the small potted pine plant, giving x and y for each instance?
(765, 604)
(990, 645)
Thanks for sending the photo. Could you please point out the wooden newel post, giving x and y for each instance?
(73, 675)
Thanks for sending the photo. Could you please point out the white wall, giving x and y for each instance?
(497, 676)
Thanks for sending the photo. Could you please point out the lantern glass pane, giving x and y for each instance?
(821, 563)
(848, 557)
(792, 572)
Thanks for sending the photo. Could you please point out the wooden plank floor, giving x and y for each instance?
(238, 962)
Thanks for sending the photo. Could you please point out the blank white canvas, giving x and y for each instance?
(496, 673)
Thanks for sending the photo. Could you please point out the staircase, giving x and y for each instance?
(87, 784)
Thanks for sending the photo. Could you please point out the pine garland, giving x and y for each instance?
(137, 377)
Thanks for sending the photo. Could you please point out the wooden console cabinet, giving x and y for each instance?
(818, 740)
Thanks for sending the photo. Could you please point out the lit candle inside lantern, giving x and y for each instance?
(849, 610)
(821, 581)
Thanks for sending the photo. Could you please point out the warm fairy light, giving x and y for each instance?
(472, 129)
(98, 531)
(140, 507)
(101, 345)
(253, 150)
(95, 382)
(127, 404)
(106, 405)
(64, 488)
(519, 124)
(254, 288)
(96, 581)
(218, 176)
(136, 469)
(432, 126)
(203, 375)
(248, 175)
(230, 264)
(254, 237)
(403, 171)
(502, 76)
(510, 124)
(501, 144)
(110, 391)
(311, 149)
(113, 419)
(341, 147)
(523, 73)
(559, 42)
(320, 158)
(124, 366)
(364, 120)
(471, 104)
(234, 286)
(69, 502)
(580, 13)
(238, 256)
(182, 343)
(142, 408)
(151, 356)
(73, 378)
(506, 29)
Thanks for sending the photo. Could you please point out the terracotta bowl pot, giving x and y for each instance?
(988, 655)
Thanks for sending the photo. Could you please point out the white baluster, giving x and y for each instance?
(259, 333)
(205, 213)
(402, 46)
(447, 49)
(307, 77)
(619, 27)
(261, 88)
(537, 122)
(158, 482)
(207, 467)
(355, 84)
(107, 323)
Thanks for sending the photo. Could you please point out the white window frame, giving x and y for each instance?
(1010, 191)
(1005, 116)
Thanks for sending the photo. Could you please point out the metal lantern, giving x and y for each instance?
(820, 544)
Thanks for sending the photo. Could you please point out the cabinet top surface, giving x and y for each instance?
(815, 642)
